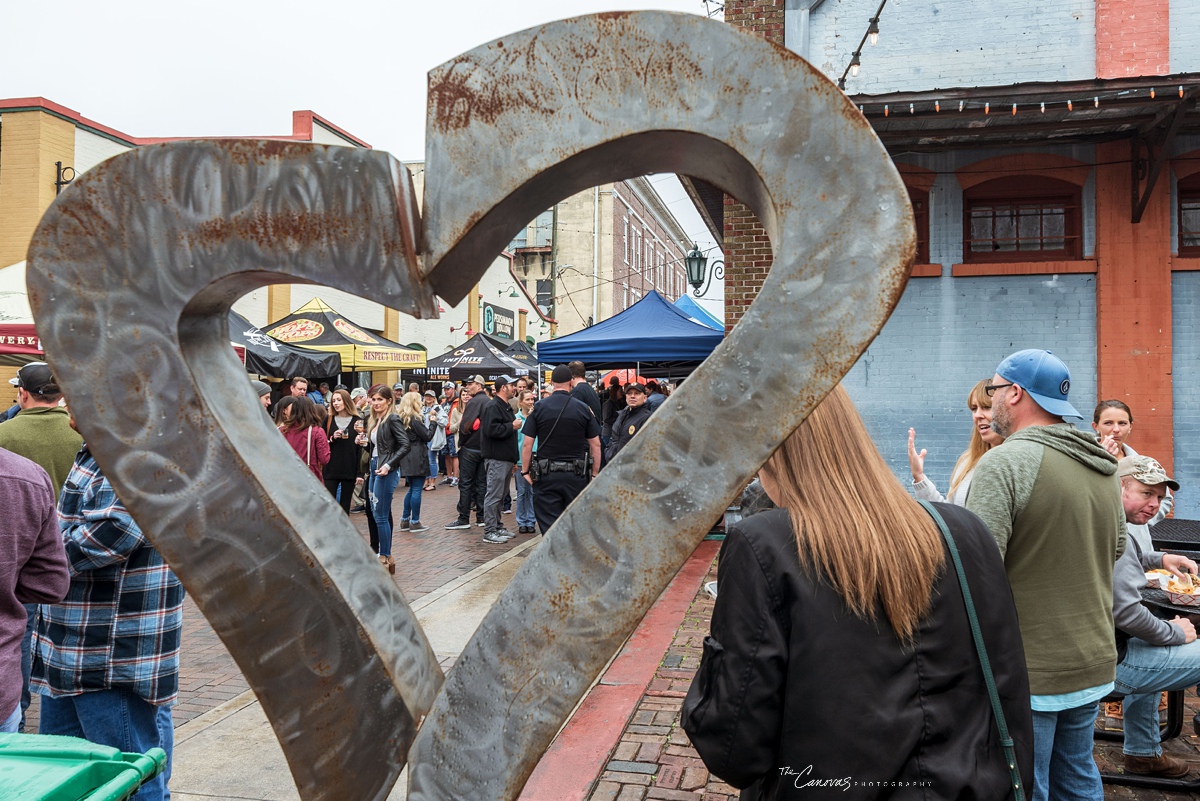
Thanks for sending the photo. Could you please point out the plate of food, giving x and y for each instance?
(1158, 578)
(1185, 591)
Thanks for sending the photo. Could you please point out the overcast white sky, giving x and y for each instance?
(237, 68)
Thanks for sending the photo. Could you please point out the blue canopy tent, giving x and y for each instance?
(652, 334)
(697, 312)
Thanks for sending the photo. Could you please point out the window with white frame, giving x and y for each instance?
(625, 238)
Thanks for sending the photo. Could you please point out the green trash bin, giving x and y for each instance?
(40, 767)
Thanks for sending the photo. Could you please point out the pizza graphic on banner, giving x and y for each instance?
(350, 331)
(297, 331)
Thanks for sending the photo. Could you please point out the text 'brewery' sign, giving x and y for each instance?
(498, 322)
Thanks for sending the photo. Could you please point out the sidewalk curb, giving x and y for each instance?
(578, 755)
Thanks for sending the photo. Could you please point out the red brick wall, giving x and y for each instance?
(1132, 38)
(747, 251)
(1133, 303)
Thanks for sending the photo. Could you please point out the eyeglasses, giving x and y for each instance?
(990, 389)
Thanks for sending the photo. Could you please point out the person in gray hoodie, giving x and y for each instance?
(1156, 655)
(1050, 496)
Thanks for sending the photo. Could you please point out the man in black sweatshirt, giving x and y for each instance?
(498, 435)
(472, 480)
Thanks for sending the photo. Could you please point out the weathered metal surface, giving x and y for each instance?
(131, 274)
(134, 266)
(531, 118)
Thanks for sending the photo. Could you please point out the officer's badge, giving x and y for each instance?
(632, 430)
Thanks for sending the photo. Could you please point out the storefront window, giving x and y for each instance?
(1022, 218)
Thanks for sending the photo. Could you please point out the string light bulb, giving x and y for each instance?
(1014, 109)
(910, 109)
(873, 31)
(960, 105)
(1151, 92)
(1070, 106)
(1181, 91)
(987, 108)
(885, 110)
(1043, 108)
(937, 106)
(855, 62)
(1096, 101)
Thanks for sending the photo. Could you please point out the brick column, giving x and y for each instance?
(747, 251)
(1133, 303)
(1133, 37)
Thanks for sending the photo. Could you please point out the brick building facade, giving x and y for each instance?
(1113, 296)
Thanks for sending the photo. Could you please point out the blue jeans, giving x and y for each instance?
(412, 498)
(1063, 767)
(380, 492)
(9, 726)
(117, 718)
(1147, 671)
(433, 467)
(524, 502)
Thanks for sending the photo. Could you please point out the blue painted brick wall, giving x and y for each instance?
(923, 44)
(946, 334)
(1185, 356)
(1185, 36)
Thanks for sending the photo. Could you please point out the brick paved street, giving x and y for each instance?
(654, 758)
(208, 675)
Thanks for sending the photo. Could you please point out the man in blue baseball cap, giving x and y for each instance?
(1050, 496)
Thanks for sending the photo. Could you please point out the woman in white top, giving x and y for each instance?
(982, 439)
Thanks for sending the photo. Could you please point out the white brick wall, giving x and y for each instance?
(1185, 36)
(927, 45)
(91, 149)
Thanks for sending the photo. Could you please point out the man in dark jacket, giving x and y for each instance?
(498, 437)
(582, 390)
(630, 420)
(472, 476)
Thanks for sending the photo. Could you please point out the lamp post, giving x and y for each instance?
(697, 272)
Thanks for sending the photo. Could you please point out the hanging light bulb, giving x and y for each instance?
(885, 110)
(937, 106)
(855, 62)
(1014, 109)
(1070, 106)
(1043, 108)
(910, 109)
(960, 105)
(1096, 101)
(1151, 92)
(873, 31)
(986, 107)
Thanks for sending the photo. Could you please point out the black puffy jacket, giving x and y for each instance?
(793, 687)
(416, 461)
(392, 442)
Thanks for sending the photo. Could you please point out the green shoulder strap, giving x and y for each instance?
(1006, 741)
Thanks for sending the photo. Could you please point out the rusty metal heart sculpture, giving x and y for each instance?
(132, 269)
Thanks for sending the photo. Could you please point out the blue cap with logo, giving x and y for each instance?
(1044, 376)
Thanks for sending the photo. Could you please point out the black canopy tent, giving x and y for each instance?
(270, 357)
(521, 352)
(476, 356)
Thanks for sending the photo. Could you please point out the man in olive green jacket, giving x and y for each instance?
(1052, 500)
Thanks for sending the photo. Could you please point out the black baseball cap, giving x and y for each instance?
(561, 374)
(36, 377)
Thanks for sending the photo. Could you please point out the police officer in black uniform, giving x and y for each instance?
(630, 419)
(568, 454)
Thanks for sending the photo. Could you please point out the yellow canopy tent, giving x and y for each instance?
(315, 325)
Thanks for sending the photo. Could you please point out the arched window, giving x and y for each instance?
(1189, 215)
(1022, 218)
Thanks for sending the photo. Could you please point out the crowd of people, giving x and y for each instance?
(850, 582)
(849, 586)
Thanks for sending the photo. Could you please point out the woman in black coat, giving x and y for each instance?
(343, 453)
(415, 464)
(388, 442)
(840, 662)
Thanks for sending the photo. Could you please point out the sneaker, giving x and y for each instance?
(479, 523)
(506, 511)
(495, 537)
(458, 525)
(1167, 767)
(404, 525)
(446, 480)
(508, 535)
(454, 482)
(416, 528)
(357, 510)
(525, 530)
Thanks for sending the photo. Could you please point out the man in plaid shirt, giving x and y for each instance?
(106, 659)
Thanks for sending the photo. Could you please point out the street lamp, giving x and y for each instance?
(696, 263)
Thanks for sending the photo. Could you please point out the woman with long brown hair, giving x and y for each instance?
(386, 438)
(300, 424)
(343, 453)
(983, 439)
(840, 653)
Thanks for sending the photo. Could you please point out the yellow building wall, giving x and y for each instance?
(30, 141)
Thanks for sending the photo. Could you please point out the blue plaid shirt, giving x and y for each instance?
(120, 624)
